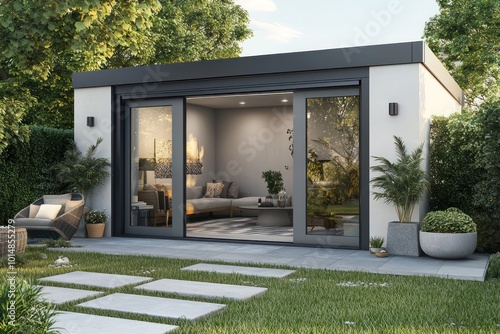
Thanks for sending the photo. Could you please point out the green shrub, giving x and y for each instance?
(494, 266)
(465, 169)
(30, 315)
(26, 169)
(451, 220)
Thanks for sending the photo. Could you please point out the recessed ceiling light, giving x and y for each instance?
(284, 100)
(242, 102)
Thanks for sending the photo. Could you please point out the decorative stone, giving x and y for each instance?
(448, 245)
(403, 239)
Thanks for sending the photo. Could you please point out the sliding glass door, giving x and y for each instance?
(156, 152)
(331, 177)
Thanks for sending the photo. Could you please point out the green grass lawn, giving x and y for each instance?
(309, 301)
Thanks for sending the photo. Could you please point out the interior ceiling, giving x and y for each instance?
(250, 100)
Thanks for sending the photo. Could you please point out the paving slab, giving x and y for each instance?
(95, 279)
(203, 289)
(57, 295)
(154, 306)
(251, 271)
(79, 323)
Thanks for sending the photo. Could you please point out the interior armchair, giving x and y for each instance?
(159, 201)
(52, 216)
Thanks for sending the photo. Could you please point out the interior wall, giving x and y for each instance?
(250, 141)
(201, 132)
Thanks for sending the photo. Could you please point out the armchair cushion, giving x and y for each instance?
(57, 199)
(33, 222)
(48, 211)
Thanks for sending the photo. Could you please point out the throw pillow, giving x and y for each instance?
(70, 205)
(225, 190)
(214, 190)
(48, 211)
(33, 210)
(233, 191)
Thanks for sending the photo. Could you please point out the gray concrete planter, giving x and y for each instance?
(448, 245)
(402, 239)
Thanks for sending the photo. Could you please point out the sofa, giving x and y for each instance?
(198, 201)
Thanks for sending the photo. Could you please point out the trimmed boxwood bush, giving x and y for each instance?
(26, 169)
(451, 220)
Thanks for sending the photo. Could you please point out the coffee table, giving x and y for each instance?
(271, 216)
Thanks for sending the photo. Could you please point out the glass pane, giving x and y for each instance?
(151, 166)
(333, 166)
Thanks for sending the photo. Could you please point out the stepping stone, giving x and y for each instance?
(96, 279)
(57, 295)
(79, 323)
(203, 289)
(251, 271)
(154, 306)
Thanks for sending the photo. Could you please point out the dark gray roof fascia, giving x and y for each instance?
(363, 56)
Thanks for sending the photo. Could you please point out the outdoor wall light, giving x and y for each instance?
(90, 121)
(393, 108)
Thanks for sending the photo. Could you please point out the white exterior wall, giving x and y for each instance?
(96, 102)
(419, 96)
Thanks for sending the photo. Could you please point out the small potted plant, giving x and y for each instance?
(448, 234)
(95, 222)
(274, 181)
(376, 244)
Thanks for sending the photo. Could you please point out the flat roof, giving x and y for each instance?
(330, 59)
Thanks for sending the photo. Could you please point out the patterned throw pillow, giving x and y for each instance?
(214, 190)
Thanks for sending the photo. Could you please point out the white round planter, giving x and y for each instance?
(448, 245)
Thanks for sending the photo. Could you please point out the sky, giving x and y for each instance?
(281, 26)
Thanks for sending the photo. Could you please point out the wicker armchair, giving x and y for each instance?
(63, 225)
(159, 201)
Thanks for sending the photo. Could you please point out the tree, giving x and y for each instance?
(465, 35)
(42, 43)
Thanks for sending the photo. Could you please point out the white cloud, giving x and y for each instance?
(276, 32)
(258, 5)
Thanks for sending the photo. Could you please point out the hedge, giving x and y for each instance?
(465, 169)
(26, 169)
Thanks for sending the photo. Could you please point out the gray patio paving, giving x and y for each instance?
(471, 268)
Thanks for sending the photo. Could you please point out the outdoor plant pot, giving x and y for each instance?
(448, 245)
(95, 230)
(403, 239)
(375, 250)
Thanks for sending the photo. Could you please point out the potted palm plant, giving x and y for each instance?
(448, 234)
(402, 183)
(82, 172)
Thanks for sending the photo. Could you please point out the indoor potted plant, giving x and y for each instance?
(448, 234)
(95, 222)
(403, 184)
(274, 181)
(376, 244)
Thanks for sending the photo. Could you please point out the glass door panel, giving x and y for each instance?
(153, 172)
(332, 187)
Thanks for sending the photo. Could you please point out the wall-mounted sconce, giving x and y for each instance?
(90, 121)
(393, 108)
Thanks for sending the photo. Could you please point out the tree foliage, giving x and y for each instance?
(42, 43)
(465, 35)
